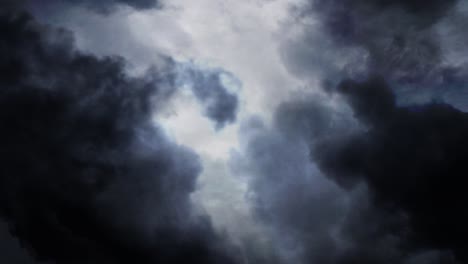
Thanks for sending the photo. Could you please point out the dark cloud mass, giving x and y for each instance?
(360, 12)
(413, 159)
(366, 172)
(102, 6)
(86, 175)
(12, 252)
(379, 184)
(396, 39)
(218, 103)
(363, 171)
(385, 27)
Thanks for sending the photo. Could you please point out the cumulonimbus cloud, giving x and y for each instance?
(355, 175)
(87, 175)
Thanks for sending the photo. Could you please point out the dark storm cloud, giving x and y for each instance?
(362, 174)
(396, 39)
(413, 159)
(398, 165)
(297, 205)
(86, 175)
(208, 86)
(107, 4)
(102, 6)
(12, 252)
(350, 19)
(312, 219)
(397, 34)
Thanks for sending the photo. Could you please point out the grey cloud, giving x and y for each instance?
(210, 87)
(399, 40)
(214, 88)
(312, 219)
(87, 176)
(12, 252)
(106, 4)
(395, 157)
(411, 157)
(102, 6)
(322, 212)
(397, 34)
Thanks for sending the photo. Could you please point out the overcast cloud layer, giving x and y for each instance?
(210, 131)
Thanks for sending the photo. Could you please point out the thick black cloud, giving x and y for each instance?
(413, 159)
(414, 6)
(106, 4)
(102, 6)
(207, 84)
(399, 166)
(310, 218)
(86, 176)
(349, 18)
(396, 39)
(12, 252)
(364, 175)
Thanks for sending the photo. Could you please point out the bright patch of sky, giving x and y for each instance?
(240, 37)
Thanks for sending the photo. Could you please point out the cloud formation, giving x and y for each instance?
(379, 184)
(210, 87)
(104, 6)
(412, 159)
(87, 176)
(399, 40)
(363, 172)
(397, 34)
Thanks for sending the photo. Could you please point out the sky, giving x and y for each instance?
(233, 132)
